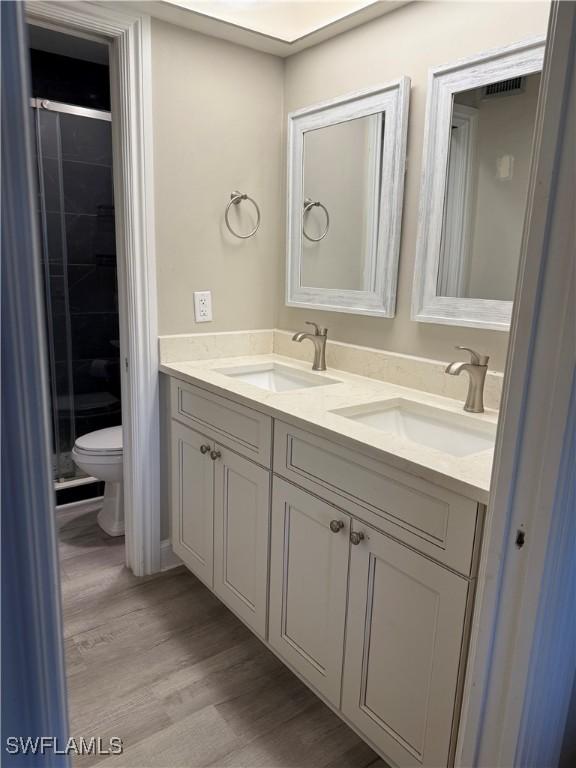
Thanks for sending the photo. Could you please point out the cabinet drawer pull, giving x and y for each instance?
(204, 448)
(215, 455)
(356, 538)
(336, 525)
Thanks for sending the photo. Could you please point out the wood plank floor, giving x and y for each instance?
(162, 664)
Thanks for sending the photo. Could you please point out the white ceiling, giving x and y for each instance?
(286, 20)
(281, 27)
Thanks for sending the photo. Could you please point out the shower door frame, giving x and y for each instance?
(129, 39)
(39, 104)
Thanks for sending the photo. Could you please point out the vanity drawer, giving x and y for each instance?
(429, 518)
(242, 429)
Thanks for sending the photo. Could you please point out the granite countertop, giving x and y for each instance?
(311, 408)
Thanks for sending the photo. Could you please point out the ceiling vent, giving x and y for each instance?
(509, 87)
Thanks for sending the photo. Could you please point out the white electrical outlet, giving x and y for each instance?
(203, 306)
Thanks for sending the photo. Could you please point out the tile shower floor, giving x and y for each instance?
(162, 664)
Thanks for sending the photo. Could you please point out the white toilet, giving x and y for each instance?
(99, 454)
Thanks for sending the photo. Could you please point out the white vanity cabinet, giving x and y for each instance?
(220, 506)
(192, 501)
(353, 599)
(241, 531)
(308, 584)
(404, 637)
(359, 575)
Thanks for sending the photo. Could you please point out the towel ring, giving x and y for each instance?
(308, 205)
(235, 199)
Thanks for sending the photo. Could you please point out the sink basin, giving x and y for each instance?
(276, 377)
(452, 433)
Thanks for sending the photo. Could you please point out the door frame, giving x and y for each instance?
(455, 245)
(129, 37)
(521, 662)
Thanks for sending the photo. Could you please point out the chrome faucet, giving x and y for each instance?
(318, 338)
(476, 370)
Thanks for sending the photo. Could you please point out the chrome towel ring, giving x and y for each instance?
(235, 199)
(308, 205)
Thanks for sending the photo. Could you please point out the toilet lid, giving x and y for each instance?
(102, 441)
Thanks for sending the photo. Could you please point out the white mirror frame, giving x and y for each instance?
(392, 100)
(523, 58)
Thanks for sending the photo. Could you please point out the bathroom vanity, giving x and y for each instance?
(340, 518)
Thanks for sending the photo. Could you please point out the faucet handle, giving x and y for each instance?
(317, 331)
(475, 357)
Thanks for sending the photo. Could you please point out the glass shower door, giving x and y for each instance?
(76, 209)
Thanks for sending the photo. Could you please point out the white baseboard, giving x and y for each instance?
(168, 559)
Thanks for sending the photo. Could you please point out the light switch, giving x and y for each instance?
(505, 167)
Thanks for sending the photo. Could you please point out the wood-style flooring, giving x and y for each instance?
(162, 664)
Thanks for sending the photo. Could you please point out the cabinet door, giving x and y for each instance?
(405, 624)
(308, 580)
(192, 501)
(241, 529)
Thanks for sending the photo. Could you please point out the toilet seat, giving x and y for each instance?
(103, 443)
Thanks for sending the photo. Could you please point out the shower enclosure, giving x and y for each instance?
(76, 212)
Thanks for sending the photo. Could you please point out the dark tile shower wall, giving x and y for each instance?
(71, 81)
(76, 208)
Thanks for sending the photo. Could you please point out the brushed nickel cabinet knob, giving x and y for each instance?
(356, 537)
(336, 525)
(215, 455)
(204, 448)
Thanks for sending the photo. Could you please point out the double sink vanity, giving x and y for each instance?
(340, 518)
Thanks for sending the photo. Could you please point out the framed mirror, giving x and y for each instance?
(346, 161)
(477, 149)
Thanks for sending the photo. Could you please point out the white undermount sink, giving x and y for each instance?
(276, 377)
(452, 433)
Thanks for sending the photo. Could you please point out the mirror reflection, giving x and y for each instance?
(488, 172)
(341, 183)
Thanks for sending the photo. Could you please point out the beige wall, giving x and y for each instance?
(406, 42)
(217, 128)
(219, 119)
